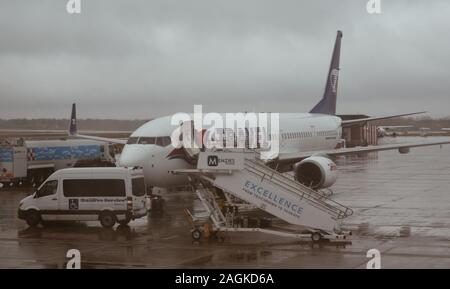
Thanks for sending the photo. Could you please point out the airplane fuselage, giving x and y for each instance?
(149, 146)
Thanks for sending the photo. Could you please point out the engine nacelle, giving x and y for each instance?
(317, 172)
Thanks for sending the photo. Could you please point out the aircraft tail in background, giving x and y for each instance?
(73, 121)
(327, 105)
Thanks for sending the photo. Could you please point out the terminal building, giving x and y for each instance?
(359, 135)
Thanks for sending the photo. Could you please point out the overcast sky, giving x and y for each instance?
(142, 59)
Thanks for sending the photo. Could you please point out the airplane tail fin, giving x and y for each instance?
(73, 121)
(327, 105)
(73, 130)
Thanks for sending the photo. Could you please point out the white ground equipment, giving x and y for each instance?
(228, 183)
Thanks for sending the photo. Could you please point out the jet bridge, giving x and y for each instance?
(245, 177)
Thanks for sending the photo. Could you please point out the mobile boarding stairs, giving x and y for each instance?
(227, 183)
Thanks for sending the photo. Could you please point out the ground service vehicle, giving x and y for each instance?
(109, 195)
(33, 161)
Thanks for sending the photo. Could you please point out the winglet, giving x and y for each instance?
(327, 104)
(73, 121)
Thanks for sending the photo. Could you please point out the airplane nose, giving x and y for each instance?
(131, 156)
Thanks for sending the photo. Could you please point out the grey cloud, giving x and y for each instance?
(140, 59)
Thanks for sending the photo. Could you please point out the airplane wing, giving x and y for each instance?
(104, 139)
(73, 130)
(359, 121)
(294, 157)
(54, 133)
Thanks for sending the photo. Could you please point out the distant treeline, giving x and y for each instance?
(130, 125)
(62, 124)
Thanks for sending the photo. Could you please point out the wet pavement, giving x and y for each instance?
(401, 207)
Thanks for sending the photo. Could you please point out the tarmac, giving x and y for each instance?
(401, 206)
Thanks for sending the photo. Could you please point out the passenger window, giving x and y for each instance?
(48, 189)
(94, 188)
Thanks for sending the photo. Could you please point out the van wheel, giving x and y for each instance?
(33, 218)
(316, 237)
(107, 219)
(196, 235)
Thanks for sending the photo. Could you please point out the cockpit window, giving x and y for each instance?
(159, 141)
(132, 140)
(162, 141)
(147, 140)
(166, 140)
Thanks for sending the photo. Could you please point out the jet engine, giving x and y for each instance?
(316, 172)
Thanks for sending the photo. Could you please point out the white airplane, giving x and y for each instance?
(386, 130)
(307, 141)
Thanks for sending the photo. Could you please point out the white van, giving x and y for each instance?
(109, 195)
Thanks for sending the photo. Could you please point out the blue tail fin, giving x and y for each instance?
(327, 104)
(73, 121)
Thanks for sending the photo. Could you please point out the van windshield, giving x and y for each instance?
(138, 187)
